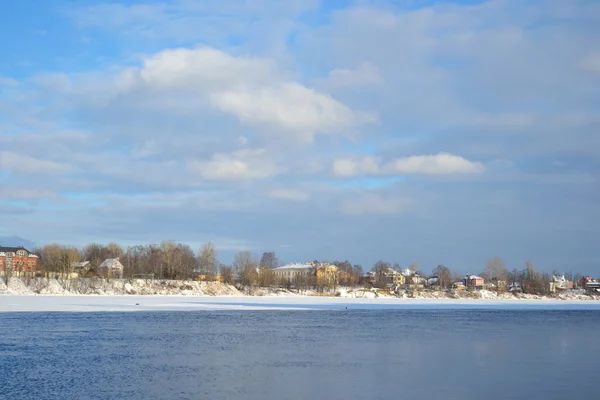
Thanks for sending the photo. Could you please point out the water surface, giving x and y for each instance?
(364, 354)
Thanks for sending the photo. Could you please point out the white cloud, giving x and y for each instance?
(439, 164)
(288, 194)
(240, 165)
(203, 69)
(10, 161)
(347, 167)
(290, 106)
(251, 89)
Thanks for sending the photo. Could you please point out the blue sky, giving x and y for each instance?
(439, 132)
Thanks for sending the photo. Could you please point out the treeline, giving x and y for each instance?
(172, 260)
(167, 260)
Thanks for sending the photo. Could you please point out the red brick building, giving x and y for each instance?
(473, 281)
(17, 259)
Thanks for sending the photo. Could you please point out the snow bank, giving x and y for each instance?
(115, 287)
(17, 286)
(132, 287)
(53, 287)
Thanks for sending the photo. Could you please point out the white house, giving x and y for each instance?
(111, 268)
(290, 271)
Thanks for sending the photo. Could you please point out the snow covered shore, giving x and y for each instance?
(114, 287)
(128, 295)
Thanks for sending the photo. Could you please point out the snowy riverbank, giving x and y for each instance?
(45, 303)
(114, 287)
(148, 293)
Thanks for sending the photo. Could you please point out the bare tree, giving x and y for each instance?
(269, 260)
(207, 260)
(496, 270)
(168, 252)
(245, 264)
(113, 250)
(534, 281)
(51, 257)
(244, 259)
(444, 275)
(227, 274)
(357, 274)
(187, 262)
(134, 261)
(381, 269)
(266, 277)
(249, 276)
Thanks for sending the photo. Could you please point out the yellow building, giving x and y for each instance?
(327, 275)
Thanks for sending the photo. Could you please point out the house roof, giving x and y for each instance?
(81, 264)
(473, 277)
(7, 249)
(111, 263)
(294, 266)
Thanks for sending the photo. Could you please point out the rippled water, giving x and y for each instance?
(436, 354)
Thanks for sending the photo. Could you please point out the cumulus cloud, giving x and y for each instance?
(439, 164)
(241, 165)
(251, 89)
(290, 106)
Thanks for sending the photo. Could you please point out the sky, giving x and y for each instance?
(443, 132)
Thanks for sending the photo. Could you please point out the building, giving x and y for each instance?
(413, 280)
(433, 281)
(17, 259)
(291, 272)
(390, 277)
(496, 284)
(313, 273)
(327, 275)
(81, 267)
(591, 284)
(559, 283)
(515, 287)
(111, 268)
(474, 281)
